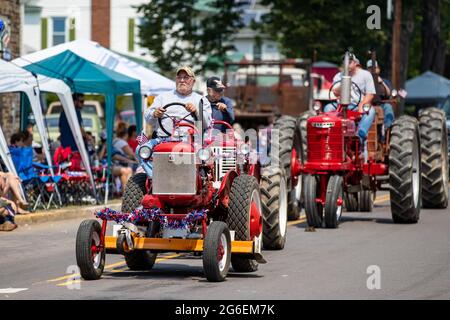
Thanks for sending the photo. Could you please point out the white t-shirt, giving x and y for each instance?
(178, 111)
(118, 144)
(363, 80)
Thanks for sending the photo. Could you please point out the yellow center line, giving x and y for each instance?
(75, 277)
(301, 220)
(68, 283)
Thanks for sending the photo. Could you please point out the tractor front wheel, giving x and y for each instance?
(89, 253)
(313, 209)
(334, 202)
(217, 251)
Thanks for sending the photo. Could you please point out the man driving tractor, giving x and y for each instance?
(161, 119)
(185, 79)
(363, 79)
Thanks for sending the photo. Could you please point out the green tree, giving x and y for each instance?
(325, 28)
(189, 31)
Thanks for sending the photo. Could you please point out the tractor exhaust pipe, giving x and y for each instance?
(346, 85)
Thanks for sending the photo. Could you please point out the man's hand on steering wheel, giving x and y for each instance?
(190, 107)
(158, 113)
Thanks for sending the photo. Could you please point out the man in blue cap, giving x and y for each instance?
(222, 107)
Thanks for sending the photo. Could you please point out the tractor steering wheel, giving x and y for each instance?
(358, 90)
(175, 120)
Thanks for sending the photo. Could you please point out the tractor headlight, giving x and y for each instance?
(204, 154)
(366, 108)
(245, 149)
(145, 152)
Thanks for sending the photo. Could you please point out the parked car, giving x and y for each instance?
(91, 122)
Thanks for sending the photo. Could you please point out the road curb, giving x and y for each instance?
(72, 212)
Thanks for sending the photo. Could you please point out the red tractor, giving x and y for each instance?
(198, 194)
(412, 155)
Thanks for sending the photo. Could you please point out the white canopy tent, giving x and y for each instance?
(152, 83)
(16, 79)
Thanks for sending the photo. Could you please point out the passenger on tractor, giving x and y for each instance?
(222, 107)
(384, 88)
(185, 80)
(364, 80)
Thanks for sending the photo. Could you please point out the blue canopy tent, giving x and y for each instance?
(86, 77)
(428, 88)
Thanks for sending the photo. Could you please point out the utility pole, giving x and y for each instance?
(396, 35)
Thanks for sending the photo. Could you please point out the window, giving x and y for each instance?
(59, 30)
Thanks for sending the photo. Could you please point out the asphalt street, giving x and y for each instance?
(367, 257)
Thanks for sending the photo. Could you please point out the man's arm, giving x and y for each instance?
(370, 91)
(148, 115)
(207, 112)
(230, 110)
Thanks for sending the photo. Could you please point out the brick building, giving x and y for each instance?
(10, 103)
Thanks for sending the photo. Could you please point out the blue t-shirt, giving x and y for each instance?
(67, 139)
(227, 115)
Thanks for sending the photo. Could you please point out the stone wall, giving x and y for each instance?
(10, 120)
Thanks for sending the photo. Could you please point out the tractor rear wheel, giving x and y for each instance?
(274, 205)
(288, 146)
(433, 135)
(405, 170)
(313, 209)
(243, 195)
(333, 209)
(132, 198)
(365, 201)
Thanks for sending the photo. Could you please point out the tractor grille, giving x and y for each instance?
(174, 173)
(325, 144)
(225, 161)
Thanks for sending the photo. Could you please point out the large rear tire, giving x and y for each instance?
(289, 142)
(434, 145)
(333, 211)
(132, 198)
(244, 190)
(405, 170)
(274, 204)
(313, 209)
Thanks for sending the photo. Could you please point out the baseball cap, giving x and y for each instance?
(215, 84)
(351, 56)
(186, 69)
(369, 64)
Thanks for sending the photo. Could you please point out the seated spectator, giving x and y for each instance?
(38, 155)
(11, 183)
(118, 170)
(16, 140)
(121, 146)
(7, 215)
(132, 135)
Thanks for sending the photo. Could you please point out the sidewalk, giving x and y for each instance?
(70, 212)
